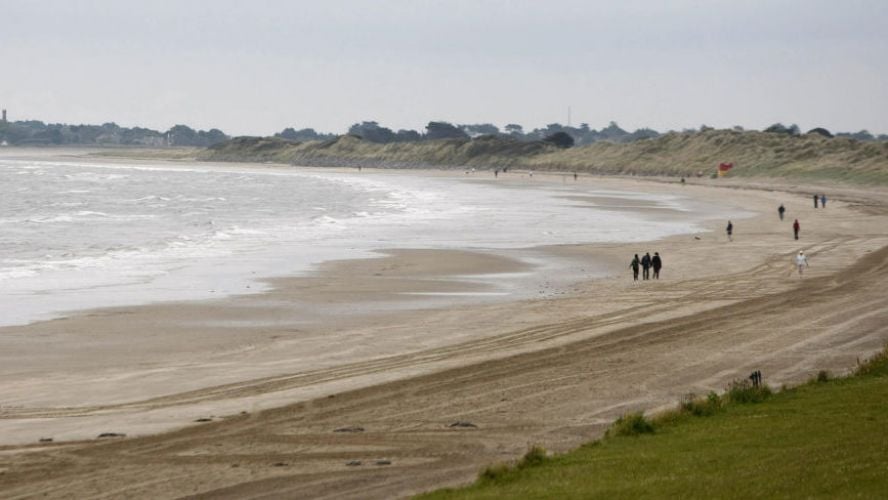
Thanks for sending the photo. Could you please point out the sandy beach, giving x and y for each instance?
(282, 411)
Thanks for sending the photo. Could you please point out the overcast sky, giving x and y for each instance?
(256, 67)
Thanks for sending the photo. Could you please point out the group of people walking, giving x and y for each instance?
(645, 264)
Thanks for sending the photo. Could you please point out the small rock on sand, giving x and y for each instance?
(383, 462)
(350, 429)
(45, 440)
(463, 423)
(353, 463)
(105, 435)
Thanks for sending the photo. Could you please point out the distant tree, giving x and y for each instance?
(372, 132)
(706, 128)
(182, 135)
(50, 135)
(561, 139)
(779, 128)
(306, 134)
(613, 132)
(820, 131)
(288, 133)
(514, 129)
(863, 135)
(641, 134)
(443, 130)
(408, 136)
(212, 136)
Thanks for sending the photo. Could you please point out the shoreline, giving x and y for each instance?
(624, 346)
(251, 275)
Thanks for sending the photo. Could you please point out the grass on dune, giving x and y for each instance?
(825, 439)
(760, 154)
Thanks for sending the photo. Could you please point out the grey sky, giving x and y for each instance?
(255, 67)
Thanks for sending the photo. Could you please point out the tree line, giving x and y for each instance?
(38, 133)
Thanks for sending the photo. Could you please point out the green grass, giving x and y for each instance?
(825, 439)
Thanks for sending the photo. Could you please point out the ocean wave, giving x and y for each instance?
(87, 216)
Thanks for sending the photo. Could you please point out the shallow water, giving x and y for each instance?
(77, 235)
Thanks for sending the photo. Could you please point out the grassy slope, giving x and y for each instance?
(809, 157)
(820, 440)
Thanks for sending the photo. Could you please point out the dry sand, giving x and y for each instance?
(551, 371)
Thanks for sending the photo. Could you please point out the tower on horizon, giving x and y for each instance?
(4, 117)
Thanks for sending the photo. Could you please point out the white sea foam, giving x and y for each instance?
(81, 235)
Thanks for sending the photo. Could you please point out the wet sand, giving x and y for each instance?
(551, 370)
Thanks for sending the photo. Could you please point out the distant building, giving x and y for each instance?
(4, 117)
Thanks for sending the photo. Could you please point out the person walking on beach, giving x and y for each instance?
(801, 261)
(729, 230)
(657, 264)
(634, 265)
(815, 200)
(781, 211)
(646, 266)
(823, 201)
(795, 228)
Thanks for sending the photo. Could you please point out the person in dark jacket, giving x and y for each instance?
(634, 265)
(657, 264)
(816, 198)
(646, 266)
(729, 230)
(781, 211)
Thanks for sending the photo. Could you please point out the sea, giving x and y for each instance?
(82, 234)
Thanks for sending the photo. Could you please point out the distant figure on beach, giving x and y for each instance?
(634, 265)
(496, 173)
(359, 168)
(795, 228)
(531, 173)
(682, 181)
(646, 266)
(657, 264)
(575, 176)
(730, 231)
(815, 200)
(781, 211)
(823, 201)
(801, 261)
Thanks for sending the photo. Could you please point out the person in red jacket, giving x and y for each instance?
(795, 228)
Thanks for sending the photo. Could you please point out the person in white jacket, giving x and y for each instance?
(801, 261)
